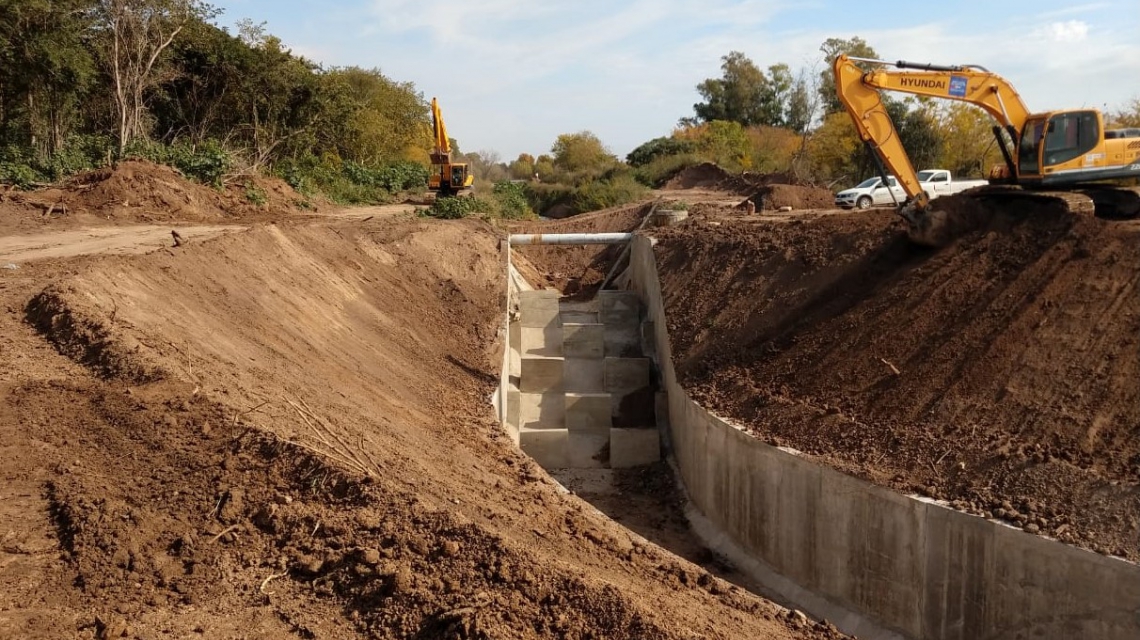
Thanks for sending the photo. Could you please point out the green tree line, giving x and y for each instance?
(88, 81)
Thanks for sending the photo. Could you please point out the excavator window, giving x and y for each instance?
(1070, 135)
(1030, 144)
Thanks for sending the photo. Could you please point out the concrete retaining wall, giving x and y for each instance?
(874, 562)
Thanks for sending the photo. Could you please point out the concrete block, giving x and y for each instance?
(587, 449)
(634, 447)
(661, 409)
(579, 317)
(542, 410)
(623, 340)
(540, 375)
(550, 448)
(625, 375)
(584, 375)
(619, 307)
(514, 408)
(538, 309)
(589, 412)
(541, 341)
(583, 340)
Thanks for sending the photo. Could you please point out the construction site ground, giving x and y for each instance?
(282, 428)
(999, 374)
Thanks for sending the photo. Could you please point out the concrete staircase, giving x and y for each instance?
(579, 370)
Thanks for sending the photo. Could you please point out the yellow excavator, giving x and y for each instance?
(1059, 155)
(447, 178)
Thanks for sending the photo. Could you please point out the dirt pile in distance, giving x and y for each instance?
(710, 176)
(139, 191)
(999, 373)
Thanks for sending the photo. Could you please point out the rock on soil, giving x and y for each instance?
(999, 373)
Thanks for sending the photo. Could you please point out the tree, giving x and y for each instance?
(544, 168)
(665, 146)
(834, 150)
(725, 143)
(582, 151)
(48, 71)
(135, 34)
(523, 167)
(1128, 116)
(917, 129)
(831, 48)
(968, 145)
(742, 95)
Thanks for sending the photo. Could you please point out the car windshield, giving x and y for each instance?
(867, 184)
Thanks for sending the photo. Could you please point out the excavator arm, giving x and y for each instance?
(860, 93)
(442, 144)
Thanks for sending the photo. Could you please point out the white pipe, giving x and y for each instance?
(570, 238)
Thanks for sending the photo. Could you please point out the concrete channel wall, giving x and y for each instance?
(876, 563)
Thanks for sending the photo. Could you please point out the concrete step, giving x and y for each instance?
(634, 447)
(579, 317)
(584, 375)
(542, 410)
(538, 309)
(539, 374)
(550, 448)
(583, 340)
(589, 412)
(619, 307)
(541, 341)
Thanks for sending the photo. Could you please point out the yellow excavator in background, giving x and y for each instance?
(1068, 151)
(447, 178)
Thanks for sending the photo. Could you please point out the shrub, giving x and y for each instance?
(610, 192)
(659, 170)
(512, 200)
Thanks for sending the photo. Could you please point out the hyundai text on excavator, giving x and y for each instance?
(447, 178)
(1057, 155)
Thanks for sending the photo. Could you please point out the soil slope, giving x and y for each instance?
(1000, 373)
(286, 432)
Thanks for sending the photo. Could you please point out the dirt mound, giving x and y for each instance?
(999, 373)
(700, 176)
(140, 191)
(777, 196)
(578, 270)
(310, 453)
(711, 176)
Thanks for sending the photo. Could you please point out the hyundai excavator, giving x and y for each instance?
(1061, 156)
(447, 178)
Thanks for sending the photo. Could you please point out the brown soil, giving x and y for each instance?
(999, 373)
(138, 191)
(578, 270)
(777, 196)
(286, 432)
(710, 176)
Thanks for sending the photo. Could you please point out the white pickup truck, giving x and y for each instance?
(872, 192)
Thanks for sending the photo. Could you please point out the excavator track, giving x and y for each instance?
(949, 218)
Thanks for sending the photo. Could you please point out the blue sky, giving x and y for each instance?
(513, 74)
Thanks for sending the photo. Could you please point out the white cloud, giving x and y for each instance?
(1067, 31)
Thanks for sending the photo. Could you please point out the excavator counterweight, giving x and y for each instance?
(1069, 152)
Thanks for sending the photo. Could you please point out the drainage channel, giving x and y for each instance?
(581, 397)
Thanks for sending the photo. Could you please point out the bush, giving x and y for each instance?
(350, 182)
(453, 208)
(512, 200)
(610, 192)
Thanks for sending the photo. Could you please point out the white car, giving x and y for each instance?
(871, 192)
